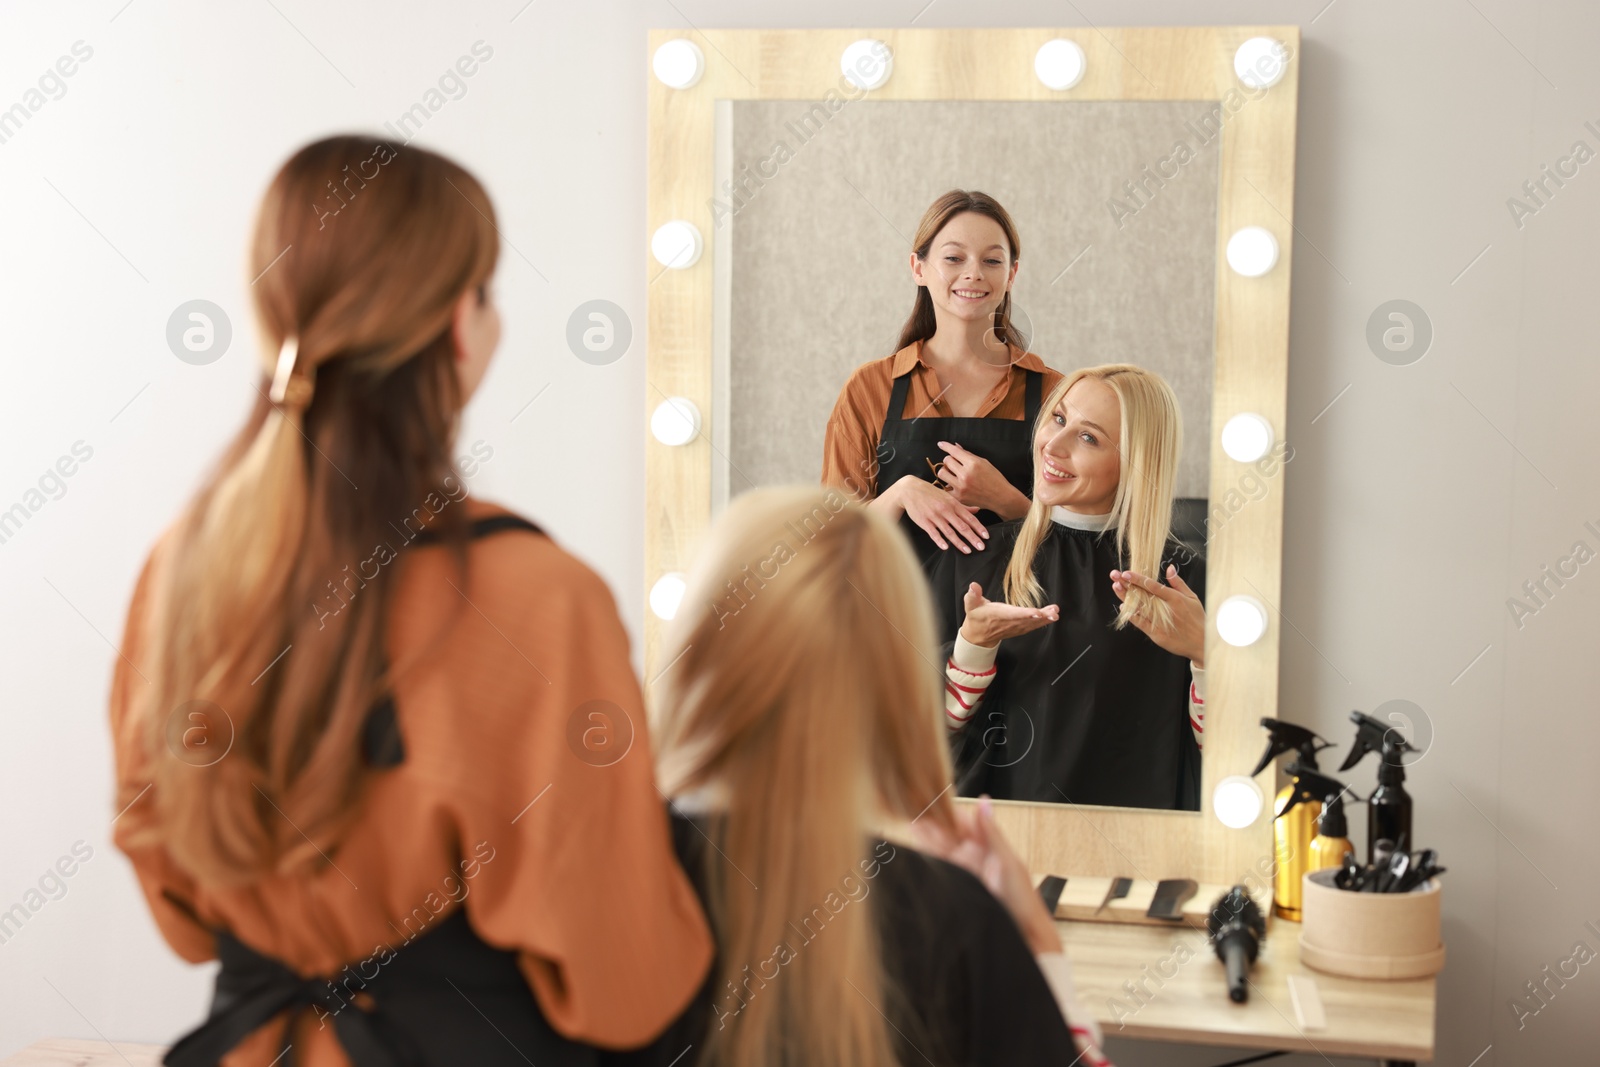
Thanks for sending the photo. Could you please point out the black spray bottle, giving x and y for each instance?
(1389, 807)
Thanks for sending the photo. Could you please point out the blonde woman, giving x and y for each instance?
(352, 708)
(1073, 674)
(799, 717)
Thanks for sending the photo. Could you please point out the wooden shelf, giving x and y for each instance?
(1179, 995)
(67, 1052)
(1081, 898)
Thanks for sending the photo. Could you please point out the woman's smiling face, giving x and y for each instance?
(1076, 452)
(969, 267)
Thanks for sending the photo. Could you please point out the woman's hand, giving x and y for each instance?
(974, 480)
(982, 849)
(989, 622)
(938, 513)
(1187, 634)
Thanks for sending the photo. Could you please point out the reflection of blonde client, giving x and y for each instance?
(1074, 703)
(785, 736)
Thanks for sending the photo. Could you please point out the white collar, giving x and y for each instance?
(1076, 521)
(706, 800)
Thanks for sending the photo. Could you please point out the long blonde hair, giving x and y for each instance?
(1147, 452)
(362, 251)
(804, 686)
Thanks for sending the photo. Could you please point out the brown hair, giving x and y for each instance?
(804, 687)
(920, 324)
(1147, 453)
(361, 252)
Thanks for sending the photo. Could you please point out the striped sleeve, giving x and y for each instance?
(1085, 1031)
(967, 674)
(1197, 703)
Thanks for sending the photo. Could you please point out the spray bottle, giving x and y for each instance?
(1294, 816)
(1389, 807)
(1332, 842)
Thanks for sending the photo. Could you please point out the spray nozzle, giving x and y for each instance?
(1375, 735)
(1283, 736)
(1309, 784)
(1332, 822)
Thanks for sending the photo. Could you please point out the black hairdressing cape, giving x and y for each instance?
(1078, 712)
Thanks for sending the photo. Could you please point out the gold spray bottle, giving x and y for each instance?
(1294, 812)
(1333, 834)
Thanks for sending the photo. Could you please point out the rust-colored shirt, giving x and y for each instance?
(567, 863)
(850, 444)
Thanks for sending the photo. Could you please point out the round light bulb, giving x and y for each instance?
(1247, 437)
(675, 421)
(1260, 62)
(1060, 63)
(667, 594)
(679, 63)
(677, 244)
(866, 63)
(1237, 801)
(1241, 620)
(1252, 251)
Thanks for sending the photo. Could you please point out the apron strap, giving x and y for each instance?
(1034, 396)
(252, 989)
(381, 743)
(897, 397)
(481, 528)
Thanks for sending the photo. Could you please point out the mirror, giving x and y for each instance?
(772, 274)
(822, 212)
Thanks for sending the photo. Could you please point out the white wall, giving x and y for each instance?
(1417, 503)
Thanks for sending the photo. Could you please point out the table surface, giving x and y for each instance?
(70, 1052)
(1166, 984)
(1142, 982)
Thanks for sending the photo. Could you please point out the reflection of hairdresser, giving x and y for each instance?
(938, 433)
(789, 736)
(1075, 675)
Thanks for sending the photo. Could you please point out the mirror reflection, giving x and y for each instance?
(1048, 466)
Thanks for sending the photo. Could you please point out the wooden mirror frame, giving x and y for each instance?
(1256, 188)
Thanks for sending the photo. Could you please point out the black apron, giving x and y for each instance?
(911, 446)
(445, 997)
(1078, 711)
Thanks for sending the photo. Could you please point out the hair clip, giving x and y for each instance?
(288, 388)
(280, 378)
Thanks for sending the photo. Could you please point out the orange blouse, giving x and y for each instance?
(492, 810)
(850, 443)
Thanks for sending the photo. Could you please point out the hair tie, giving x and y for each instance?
(289, 389)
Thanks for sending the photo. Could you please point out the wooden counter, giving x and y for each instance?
(71, 1052)
(1166, 984)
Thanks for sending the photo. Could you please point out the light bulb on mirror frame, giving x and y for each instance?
(678, 63)
(667, 594)
(1241, 620)
(1260, 62)
(1252, 251)
(677, 245)
(675, 421)
(1247, 437)
(857, 61)
(1060, 64)
(1237, 801)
